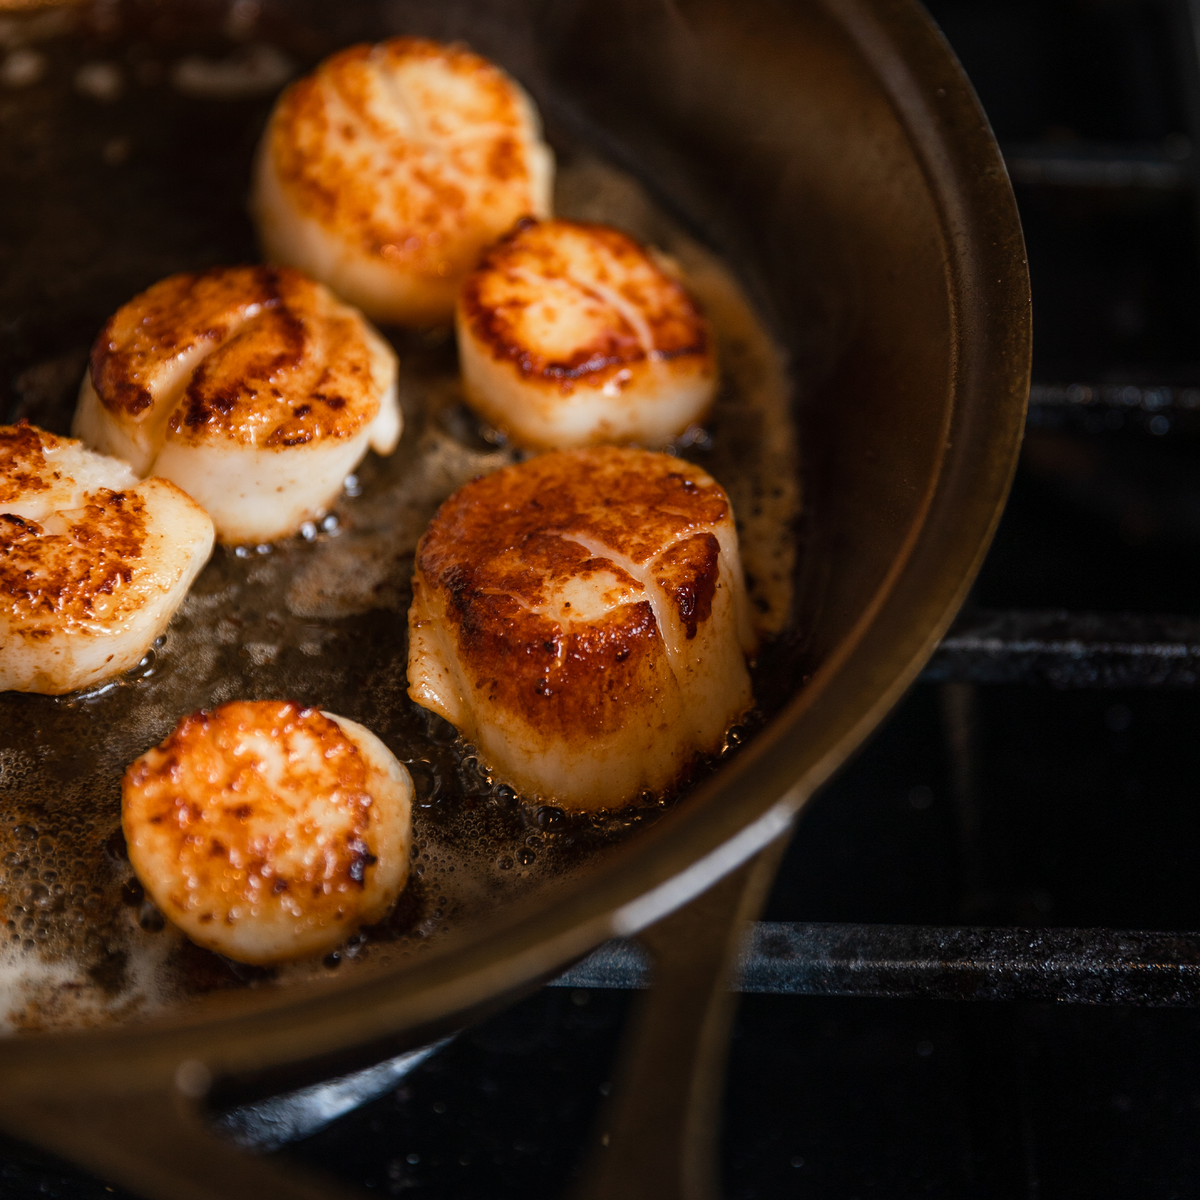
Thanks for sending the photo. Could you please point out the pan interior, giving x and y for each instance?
(115, 191)
(769, 132)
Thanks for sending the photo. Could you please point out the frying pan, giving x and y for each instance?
(834, 154)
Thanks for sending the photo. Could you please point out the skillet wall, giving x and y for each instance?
(823, 208)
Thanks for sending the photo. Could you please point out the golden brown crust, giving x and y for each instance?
(398, 169)
(76, 576)
(236, 826)
(23, 467)
(498, 300)
(501, 553)
(78, 571)
(688, 573)
(93, 563)
(501, 531)
(283, 363)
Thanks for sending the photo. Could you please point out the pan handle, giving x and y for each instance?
(156, 1145)
(657, 1135)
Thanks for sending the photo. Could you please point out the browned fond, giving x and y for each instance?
(283, 363)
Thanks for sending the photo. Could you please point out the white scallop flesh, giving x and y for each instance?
(267, 831)
(252, 388)
(93, 564)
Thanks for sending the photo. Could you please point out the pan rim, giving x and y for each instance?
(758, 794)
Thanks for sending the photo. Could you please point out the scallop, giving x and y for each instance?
(93, 564)
(268, 831)
(573, 334)
(581, 618)
(386, 171)
(252, 388)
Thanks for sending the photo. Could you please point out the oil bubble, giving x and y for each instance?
(426, 783)
(549, 817)
(149, 918)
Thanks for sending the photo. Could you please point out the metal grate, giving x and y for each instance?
(1078, 966)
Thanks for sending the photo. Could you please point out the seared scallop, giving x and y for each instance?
(572, 334)
(267, 831)
(252, 388)
(581, 618)
(388, 169)
(93, 564)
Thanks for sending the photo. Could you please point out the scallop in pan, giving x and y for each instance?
(267, 831)
(93, 564)
(573, 334)
(581, 618)
(388, 169)
(252, 388)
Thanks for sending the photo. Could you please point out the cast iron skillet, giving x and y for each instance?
(833, 152)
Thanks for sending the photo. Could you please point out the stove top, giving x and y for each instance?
(1037, 788)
